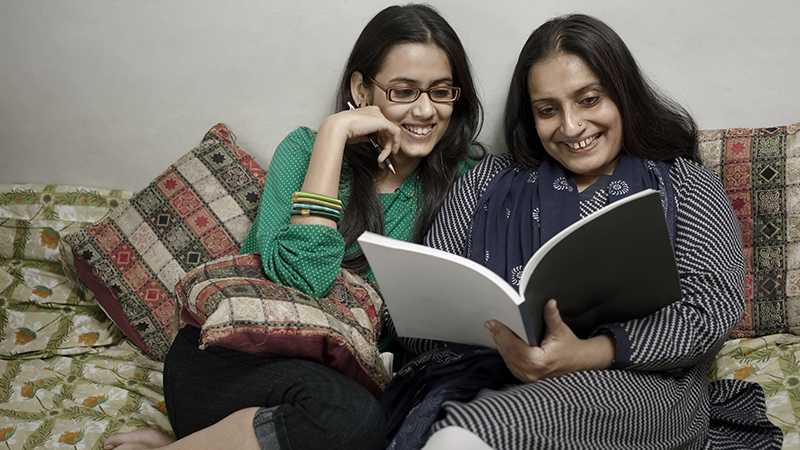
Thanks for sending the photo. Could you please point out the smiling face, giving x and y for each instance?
(576, 120)
(423, 122)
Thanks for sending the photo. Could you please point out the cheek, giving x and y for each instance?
(444, 113)
(543, 131)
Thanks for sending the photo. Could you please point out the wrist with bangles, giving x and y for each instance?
(310, 204)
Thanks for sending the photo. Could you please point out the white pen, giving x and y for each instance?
(377, 147)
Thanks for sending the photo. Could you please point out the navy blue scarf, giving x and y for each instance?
(524, 207)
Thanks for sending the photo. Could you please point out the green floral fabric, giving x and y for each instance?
(772, 362)
(68, 377)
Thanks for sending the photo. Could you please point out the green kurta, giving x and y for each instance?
(308, 257)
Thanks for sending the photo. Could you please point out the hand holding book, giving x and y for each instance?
(560, 352)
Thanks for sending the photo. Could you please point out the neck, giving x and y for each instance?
(388, 182)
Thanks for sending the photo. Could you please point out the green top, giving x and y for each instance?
(308, 257)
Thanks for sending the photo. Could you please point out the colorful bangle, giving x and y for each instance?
(300, 194)
(314, 201)
(311, 207)
(308, 212)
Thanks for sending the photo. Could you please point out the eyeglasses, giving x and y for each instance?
(438, 94)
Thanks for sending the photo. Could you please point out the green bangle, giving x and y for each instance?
(308, 212)
(311, 207)
(301, 194)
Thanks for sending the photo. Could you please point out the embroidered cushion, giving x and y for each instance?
(236, 306)
(199, 209)
(760, 169)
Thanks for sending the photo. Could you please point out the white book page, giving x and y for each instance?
(437, 295)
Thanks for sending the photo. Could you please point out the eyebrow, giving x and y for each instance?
(416, 82)
(575, 93)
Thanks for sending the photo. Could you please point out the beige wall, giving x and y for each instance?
(107, 93)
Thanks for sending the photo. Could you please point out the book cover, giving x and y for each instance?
(611, 266)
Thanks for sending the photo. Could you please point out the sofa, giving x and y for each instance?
(88, 301)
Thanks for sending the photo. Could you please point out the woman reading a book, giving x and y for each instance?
(407, 87)
(584, 129)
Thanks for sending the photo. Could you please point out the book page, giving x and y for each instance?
(433, 294)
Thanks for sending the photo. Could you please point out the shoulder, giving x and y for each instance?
(689, 174)
(488, 167)
(699, 191)
(300, 137)
(492, 164)
(295, 147)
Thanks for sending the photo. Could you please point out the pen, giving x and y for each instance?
(377, 147)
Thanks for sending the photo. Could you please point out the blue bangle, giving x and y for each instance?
(306, 212)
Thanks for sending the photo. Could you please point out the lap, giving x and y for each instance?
(625, 408)
(204, 386)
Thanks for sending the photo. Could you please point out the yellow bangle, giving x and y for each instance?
(325, 198)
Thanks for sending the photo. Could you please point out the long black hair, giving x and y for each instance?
(653, 125)
(396, 25)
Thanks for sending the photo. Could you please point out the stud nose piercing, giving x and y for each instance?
(580, 124)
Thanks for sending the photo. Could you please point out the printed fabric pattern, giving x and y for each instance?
(199, 209)
(760, 170)
(236, 306)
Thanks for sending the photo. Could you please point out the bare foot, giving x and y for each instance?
(142, 438)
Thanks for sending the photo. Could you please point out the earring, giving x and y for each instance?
(580, 124)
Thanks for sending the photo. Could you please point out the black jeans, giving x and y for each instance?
(311, 406)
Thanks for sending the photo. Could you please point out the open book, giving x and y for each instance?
(611, 266)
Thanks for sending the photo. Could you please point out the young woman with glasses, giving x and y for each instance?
(408, 116)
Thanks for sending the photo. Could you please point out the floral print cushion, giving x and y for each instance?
(77, 402)
(772, 362)
(33, 217)
(41, 312)
(68, 377)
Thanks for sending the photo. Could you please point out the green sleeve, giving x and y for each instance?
(304, 257)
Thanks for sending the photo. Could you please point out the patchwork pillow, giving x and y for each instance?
(197, 210)
(760, 169)
(236, 306)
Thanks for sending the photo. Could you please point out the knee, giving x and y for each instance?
(368, 422)
(346, 419)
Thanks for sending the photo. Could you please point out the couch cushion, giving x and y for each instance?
(199, 209)
(41, 314)
(760, 169)
(236, 306)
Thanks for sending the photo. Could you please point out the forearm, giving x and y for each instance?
(711, 265)
(324, 170)
(597, 353)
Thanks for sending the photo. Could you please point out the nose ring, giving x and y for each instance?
(580, 124)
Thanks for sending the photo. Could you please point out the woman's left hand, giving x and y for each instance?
(559, 353)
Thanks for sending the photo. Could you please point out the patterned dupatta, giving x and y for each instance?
(523, 208)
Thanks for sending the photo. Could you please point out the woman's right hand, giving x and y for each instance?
(324, 168)
(559, 353)
(358, 124)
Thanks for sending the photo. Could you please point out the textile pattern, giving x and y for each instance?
(68, 377)
(760, 170)
(199, 209)
(236, 306)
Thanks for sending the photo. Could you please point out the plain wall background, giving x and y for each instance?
(108, 93)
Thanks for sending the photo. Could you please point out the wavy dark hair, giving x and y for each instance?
(396, 25)
(653, 125)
